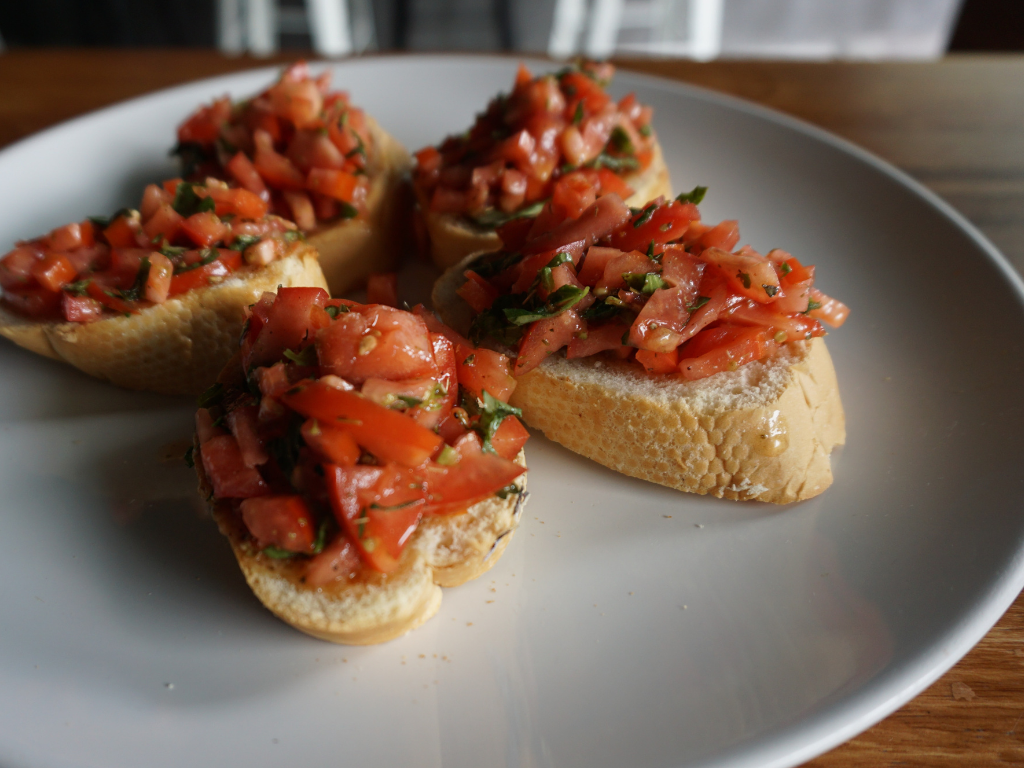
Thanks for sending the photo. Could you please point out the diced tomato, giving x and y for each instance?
(616, 267)
(16, 267)
(299, 102)
(65, 238)
(164, 224)
(659, 326)
(510, 437)
(208, 274)
(242, 203)
(106, 296)
(275, 169)
(485, 369)
(682, 270)
(280, 521)
(724, 236)
(226, 469)
(724, 348)
(158, 282)
(447, 377)
(376, 341)
(428, 160)
(33, 302)
(335, 444)
(123, 231)
(477, 292)
(332, 183)
(282, 323)
(593, 95)
(244, 172)
(54, 271)
(749, 273)
(475, 478)
(574, 193)
(613, 183)
(203, 125)
(666, 223)
(382, 288)
(545, 337)
(301, 207)
(388, 435)
(600, 219)
(598, 338)
(781, 327)
(831, 311)
(243, 423)
(658, 362)
(80, 309)
(204, 229)
(339, 559)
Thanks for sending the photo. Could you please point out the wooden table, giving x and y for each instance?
(956, 125)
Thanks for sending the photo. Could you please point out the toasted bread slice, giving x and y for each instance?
(452, 238)
(351, 249)
(445, 551)
(763, 431)
(175, 348)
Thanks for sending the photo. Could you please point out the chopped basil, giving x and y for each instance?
(744, 278)
(205, 257)
(469, 360)
(306, 357)
(600, 311)
(334, 311)
(695, 196)
(77, 288)
(291, 235)
(448, 457)
(564, 298)
(613, 163)
(621, 142)
(700, 302)
(211, 396)
(359, 149)
(138, 289)
(508, 490)
(321, 534)
(492, 412)
(187, 202)
(492, 218)
(785, 268)
(492, 264)
(244, 241)
(545, 278)
(393, 507)
(644, 282)
(771, 290)
(650, 250)
(645, 215)
(405, 401)
(276, 553)
(191, 155)
(812, 305)
(645, 130)
(577, 116)
(188, 456)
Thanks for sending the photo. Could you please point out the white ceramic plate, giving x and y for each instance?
(627, 625)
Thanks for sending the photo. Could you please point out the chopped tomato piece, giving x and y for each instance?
(388, 435)
(749, 273)
(164, 224)
(53, 272)
(332, 183)
(158, 282)
(510, 437)
(598, 338)
(474, 478)
(123, 231)
(829, 310)
(376, 341)
(485, 369)
(208, 274)
(244, 172)
(477, 292)
(243, 423)
(280, 521)
(204, 229)
(33, 302)
(725, 348)
(80, 309)
(106, 296)
(658, 362)
(661, 225)
(226, 469)
(339, 560)
(333, 443)
(282, 323)
(600, 219)
(546, 337)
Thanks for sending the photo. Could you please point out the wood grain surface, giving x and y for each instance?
(956, 125)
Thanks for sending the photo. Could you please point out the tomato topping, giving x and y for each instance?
(509, 438)
(656, 280)
(206, 275)
(281, 324)
(376, 340)
(284, 522)
(484, 369)
(335, 444)
(227, 471)
(53, 272)
(557, 137)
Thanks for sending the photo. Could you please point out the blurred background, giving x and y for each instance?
(698, 29)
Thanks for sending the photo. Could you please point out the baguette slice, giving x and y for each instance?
(452, 238)
(353, 248)
(763, 432)
(444, 551)
(174, 348)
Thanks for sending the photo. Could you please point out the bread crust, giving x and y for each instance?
(175, 348)
(763, 432)
(352, 249)
(452, 238)
(444, 551)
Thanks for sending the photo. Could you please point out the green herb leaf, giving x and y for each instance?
(695, 196)
(306, 357)
(448, 457)
(492, 412)
(191, 155)
(577, 116)
(601, 311)
(785, 268)
(508, 490)
(77, 288)
(544, 276)
(645, 215)
(138, 289)
(771, 290)
(492, 218)
(645, 130)
(812, 305)
(211, 396)
(405, 401)
(613, 163)
(644, 282)
(744, 278)
(393, 507)
(244, 241)
(469, 360)
(276, 553)
(621, 142)
(321, 536)
(700, 302)
(334, 311)
(491, 264)
(187, 202)
(291, 235)
(205, 257)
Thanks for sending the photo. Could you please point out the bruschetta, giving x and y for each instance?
(155, 298)
(358, 461)
(317, 160)
(686, 362)
(554, 141)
